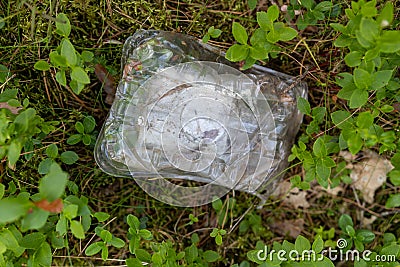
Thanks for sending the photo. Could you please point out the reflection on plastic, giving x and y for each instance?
(182, 112)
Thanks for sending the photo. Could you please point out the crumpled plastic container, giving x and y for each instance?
(184, 113)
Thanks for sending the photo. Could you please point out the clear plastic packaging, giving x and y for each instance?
(182, 111)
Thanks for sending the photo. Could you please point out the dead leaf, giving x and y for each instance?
(331, 191)
(108, 82)
(370, 174)
(13, 110)
(56, 206)
(291, 197)
(292, 228)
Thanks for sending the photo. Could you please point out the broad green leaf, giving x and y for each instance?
(101, 216)
(258, 53)
(358, 98)
(381, 78)
(11, 237)
(4, 72)
(364, 42)
(74, 139)
(33, 240)
(362, 78)
(371, 54)
(63, 25)
(44, 166)
(35, 219)
(318, 244)
(264, 21)
(133, 222)
(11, 209)
(303, 106)
(395, 177)
(393, 201)
(365, 120)
(369, 29)
(71, 211)
(61, 226)
(389, 41)
(57, 60)
(307, 4)
(353, 59)
(24, 118)
(323, 6)
(319, 147)
(7, 94)
(52, 151)
(385, 18)
(239, 33)
(344, 221)
(237, 53)
(355, 143)
(366, 236)
(41, 65)
(210, 256)
(133, 262)
(68, 51)
(338, 27)
(2, 24)
(14, 151)
(206, 38)
(368, 9)
(252, 4)
(287, 34)
(273, 12)
(69, 157)
(302, 244)
(87, 56)
(77, 229)
(79, 75)
(43, 256)
(117, 242)
(94, 248)
(52, 185)
(323, 172)
(343, 41)
(143, 255)
(214, 33)
(104, 253)
(89, 123)
(2, 190)
(60, 78)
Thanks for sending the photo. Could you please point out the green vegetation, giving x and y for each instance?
(58, 208)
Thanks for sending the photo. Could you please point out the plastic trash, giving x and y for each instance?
(184, 113)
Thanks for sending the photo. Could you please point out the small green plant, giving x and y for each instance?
(211, 33)
(107, 240)
(66, 60)
(312, 14)
(217, 234)
(85, 133)
(262, 41)
(67, 157)
(357, 237)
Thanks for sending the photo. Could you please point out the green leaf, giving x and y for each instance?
(79, 75)
(104, 253)
(32, 241)
(14, 151)
(145, 234)
(43, 256)
(302, 244)
(214, 33)
(60, 78)
(61, 226)
(395, 177)
(353, 59)
(258, 53)
(44, 166)
(318, 244)
(69, 157)
(77, 229)
(35, 219)
(87, 56)
(342, 119)
(389, 41)
(369, 29)
(308, 4)
(133, 222)
(71, 211)
(101, 216)
(143, 255)
(385, 18)
(218, 240)
(324, 6)
(252, 4)
(57, 60)
(366, 236)
(362, 78)
(210, 256)
(89, 123)
(264, 21)
(239, 33)
(355, 143)
(237, 53)
(52, 185)
(393, 201)
(381, 78)
(117, 242)
(323, 172)
(2, 24)
(273, 13)
(2, 190)
(206, 38)
(94, 248)
(74, 139)
(344, 221)
(52, 151)
(303, 106)
(14, 103)
(7, 94)
(11, 209)
(41, 65)
(63, 25)
(365, 120)
(68, 51)
(358, 98)
(133, 262)
(287, 34)
(319, 148)
(368, 9)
